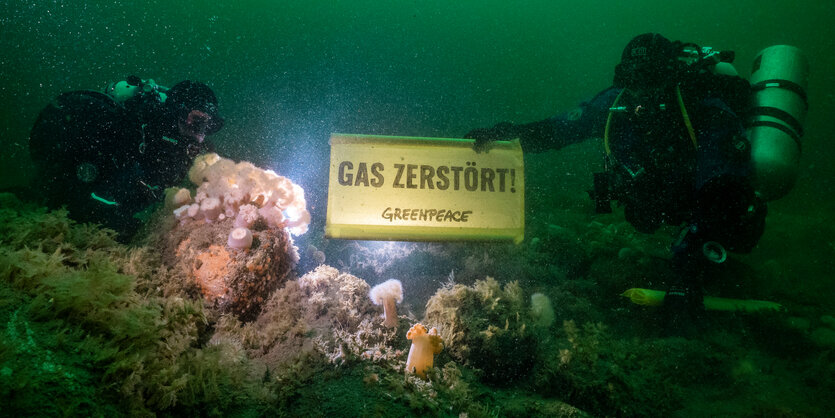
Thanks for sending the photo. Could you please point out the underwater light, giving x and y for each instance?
(388, 247)
(292, 213)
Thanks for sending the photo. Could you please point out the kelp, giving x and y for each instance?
(80, 339)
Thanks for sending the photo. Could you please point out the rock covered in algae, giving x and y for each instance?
(325, 312)
(232, 280)
(335, 299)
(344, 320)
(234, 241)
(486, 326)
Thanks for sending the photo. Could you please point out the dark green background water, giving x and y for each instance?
(288, 73)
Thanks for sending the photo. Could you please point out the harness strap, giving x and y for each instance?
(103, 200)
(609, 123)
(685, 116)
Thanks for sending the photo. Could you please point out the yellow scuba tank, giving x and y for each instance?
(779, 79)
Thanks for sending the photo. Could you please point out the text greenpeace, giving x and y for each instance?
(437, 215)
(424, 189)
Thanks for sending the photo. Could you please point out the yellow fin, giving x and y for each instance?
(650, 297)
(646, 297)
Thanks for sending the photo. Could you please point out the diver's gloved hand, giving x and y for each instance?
(680, 297)
(485, 136)
(729, 211)
(684, 310)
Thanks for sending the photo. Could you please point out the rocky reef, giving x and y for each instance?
(94, 327)
(235, 280)
(487, 327)
(231, 237)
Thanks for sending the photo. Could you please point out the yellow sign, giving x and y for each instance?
(424, 189)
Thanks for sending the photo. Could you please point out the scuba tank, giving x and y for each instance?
(142, 99)
(133, 86)
(778, 108)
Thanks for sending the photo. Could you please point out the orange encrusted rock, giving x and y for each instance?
(231, 279)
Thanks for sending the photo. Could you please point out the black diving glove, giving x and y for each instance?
(684, 307)
(683, 310)
(684, 299)
(485, 136)
(730, 212)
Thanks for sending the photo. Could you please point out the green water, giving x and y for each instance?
(288, 73)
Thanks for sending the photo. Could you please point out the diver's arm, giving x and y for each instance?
(587, 121)
(534, 137)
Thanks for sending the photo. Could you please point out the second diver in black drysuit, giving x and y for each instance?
(676, 153)
(108, 155)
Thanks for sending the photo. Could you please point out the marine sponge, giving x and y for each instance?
(542, 312)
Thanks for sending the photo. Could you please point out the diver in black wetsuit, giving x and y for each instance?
(676, 153)
(107, 156)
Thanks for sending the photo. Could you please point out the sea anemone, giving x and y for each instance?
(225, 188)
(247, 215)
(240, 238)
(424, 347)
(211, 208)
(176, 198)
(388, 293)
(542, 311)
